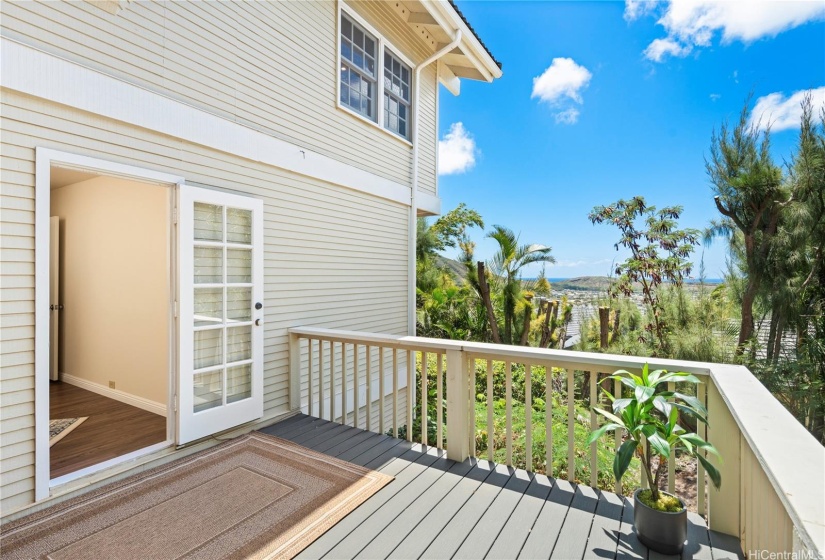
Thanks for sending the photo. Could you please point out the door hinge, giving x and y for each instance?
(175, 404)
(175, 216)
(176, 309)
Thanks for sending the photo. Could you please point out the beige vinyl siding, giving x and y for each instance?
(271, 66)
(334, 257)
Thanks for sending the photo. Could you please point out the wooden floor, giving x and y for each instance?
(437, 508)
(113, 428)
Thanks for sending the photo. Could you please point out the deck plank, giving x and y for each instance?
(452, 535)
(483, 536)
(725, 547)
(410, 515)
(629, 546)
(604, 533)
(365, 533)
(294, 425)
(698, 543)
(573, 537)
(414, 545)
(548, 525)
(365, 446)
(316, 437)
(405, 469)
(512, 536)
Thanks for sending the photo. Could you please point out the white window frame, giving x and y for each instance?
(383, 44)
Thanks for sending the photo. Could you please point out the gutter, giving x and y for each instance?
(413, 226)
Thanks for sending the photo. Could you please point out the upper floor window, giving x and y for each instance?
(396, 95)
(375, 82)
(358, 73)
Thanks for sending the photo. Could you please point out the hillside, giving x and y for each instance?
(584, 283)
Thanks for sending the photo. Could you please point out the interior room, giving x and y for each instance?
(110, 318)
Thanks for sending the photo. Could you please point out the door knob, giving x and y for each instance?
(258, 322)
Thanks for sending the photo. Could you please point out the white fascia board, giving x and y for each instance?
(45, 76)
(449, 20)
(428, 203)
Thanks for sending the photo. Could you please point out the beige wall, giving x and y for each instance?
(334, 257)
(271, 66)
(114, 284)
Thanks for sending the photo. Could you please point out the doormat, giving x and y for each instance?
(256, 496)
(60, 428)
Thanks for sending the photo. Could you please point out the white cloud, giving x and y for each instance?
(660, 48)
(783, 113)
(568, 116)
(560, 85)
(715, 96)
(693, 23)
(456, 151)
(634, 9)
(562, 79)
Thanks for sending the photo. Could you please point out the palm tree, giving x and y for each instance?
(506, 267)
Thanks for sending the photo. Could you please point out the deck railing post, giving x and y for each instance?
(294, 372)
(723, 432)
(458, 406)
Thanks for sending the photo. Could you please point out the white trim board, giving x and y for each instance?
(44, 159)
(45, 76)
(115, 394)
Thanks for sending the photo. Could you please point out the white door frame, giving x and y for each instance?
(45, 158)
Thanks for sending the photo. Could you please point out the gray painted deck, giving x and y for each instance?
(437, 508)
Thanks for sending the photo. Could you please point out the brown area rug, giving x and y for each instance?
(60, 427)
(256, 496)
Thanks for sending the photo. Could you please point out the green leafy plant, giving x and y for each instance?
(650, 419)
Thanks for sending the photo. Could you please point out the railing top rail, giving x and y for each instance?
(556, 358)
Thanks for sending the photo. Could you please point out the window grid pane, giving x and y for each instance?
(358, 72)
(396, 95)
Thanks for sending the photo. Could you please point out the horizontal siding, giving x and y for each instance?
(268, 65)
(333, 257)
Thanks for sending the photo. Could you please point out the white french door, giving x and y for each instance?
(220, 316)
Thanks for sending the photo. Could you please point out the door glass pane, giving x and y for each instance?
(208, 306)
(238, 343)
(238, 266)
(208, 348)
(238, 226)
(208, 222)
(239, 304)
(208, 390)
(238, 383)
(208, 265)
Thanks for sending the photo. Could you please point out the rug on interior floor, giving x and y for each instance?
(61, 427)
(256, 496)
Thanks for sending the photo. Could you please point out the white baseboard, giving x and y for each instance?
(114, 394)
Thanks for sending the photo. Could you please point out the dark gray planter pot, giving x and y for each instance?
(661, 531)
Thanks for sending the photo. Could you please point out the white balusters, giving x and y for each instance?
(571, 426)
(594, 423)
(490, 412)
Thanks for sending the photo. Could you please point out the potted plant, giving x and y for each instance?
(650, 418)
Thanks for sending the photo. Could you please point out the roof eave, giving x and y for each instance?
(449, 20)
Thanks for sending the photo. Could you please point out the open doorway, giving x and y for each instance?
(111, 319)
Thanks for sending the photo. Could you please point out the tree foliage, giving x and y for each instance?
(659, 253)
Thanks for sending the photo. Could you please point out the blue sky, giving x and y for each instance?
(625, 104)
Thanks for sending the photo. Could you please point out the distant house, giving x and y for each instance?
(184, 181)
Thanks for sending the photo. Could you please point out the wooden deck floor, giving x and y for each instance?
(437, 508)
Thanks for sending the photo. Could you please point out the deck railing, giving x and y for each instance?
(773, 471)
